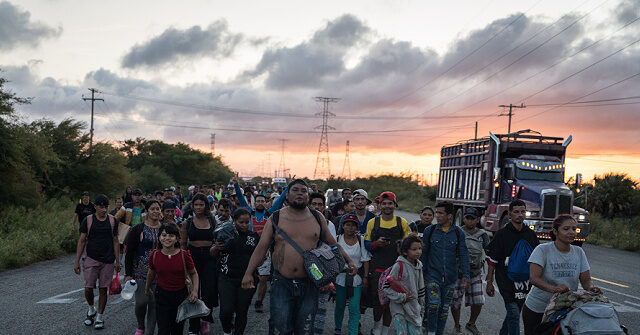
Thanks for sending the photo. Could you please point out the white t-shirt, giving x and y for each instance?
(358, 254)
(557, 268)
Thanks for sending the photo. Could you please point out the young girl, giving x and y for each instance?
(141, 241)
(234, 259)
(169, 265)
(555, 268)
(350, 288)
(407, 309)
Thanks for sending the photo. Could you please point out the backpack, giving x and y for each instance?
(476, 253)
(384, 300)
(112, 221)
(518, 265)
(592, 318)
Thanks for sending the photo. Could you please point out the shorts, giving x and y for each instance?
(94, 270)
(474, 295)
(265, 268)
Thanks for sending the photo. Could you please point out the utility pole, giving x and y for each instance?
(347, 163)
(282, 168)
(93, 99)
(323, 170)
(475, 137)
(213, 144)
(510, 114)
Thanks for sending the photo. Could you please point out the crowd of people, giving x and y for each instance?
(225, 243)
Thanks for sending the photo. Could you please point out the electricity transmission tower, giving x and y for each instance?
(213, 145)
(347, 164)
(323, 169)
(282, 170)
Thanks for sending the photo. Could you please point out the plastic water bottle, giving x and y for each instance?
(128, 290)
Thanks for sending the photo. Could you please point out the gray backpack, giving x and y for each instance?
(476, 252)
(592, 318)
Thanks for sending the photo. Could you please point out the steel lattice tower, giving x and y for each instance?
(323, 169)
(213, 145)
(282, 170)
(347, 163)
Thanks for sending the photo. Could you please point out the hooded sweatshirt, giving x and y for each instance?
(413, 282)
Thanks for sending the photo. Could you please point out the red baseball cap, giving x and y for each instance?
(350, 218)
(388, 195)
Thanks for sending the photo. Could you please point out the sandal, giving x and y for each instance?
(99, 324)
(89, 320)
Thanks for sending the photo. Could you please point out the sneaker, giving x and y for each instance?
(89, 320)
(139, 332)
(473, 329)
(99, 324)
(258, 306)
(337, 332)
(457, 330)
(204, 327)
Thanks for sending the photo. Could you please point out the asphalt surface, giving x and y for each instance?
(47, 298)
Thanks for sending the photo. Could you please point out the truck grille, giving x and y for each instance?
(565, 204)
(549, 206)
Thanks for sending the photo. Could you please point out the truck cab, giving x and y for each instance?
(489, 173)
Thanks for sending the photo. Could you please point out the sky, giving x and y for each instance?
(411, 76)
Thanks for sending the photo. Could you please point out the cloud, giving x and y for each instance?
(173, 44)
(627, 11)
(17, 29)
(306, 64)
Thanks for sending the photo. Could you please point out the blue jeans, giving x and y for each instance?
(294, 303)
(321, 313)
(354, 308)
(438, 302)
(511, 323)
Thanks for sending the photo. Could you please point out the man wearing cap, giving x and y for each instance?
(133, 212)
(83, 209)
(294, 298)
(477, 240)
(361, 201)
(381, 239)
(99, 236)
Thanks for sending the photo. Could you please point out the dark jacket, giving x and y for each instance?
(439, 254)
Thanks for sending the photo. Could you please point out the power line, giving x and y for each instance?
(587, 101)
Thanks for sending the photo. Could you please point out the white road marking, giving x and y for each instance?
(620, 293)
(631, 303)
(57, 299)
(620, 308)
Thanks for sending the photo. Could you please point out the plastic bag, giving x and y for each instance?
(116, 286)
(188, 310)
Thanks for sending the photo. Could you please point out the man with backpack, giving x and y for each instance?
(476, 240)
(99, 236)
(381, 239)
(507, 257)
(445, 259)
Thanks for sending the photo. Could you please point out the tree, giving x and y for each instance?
(151, 178)
(614, 194)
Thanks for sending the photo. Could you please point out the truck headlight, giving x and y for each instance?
(532, 214)
(580, 217)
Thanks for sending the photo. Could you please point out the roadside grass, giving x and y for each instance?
(30, 235)
(619, 233)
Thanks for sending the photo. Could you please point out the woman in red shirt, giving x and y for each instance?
(169, 264)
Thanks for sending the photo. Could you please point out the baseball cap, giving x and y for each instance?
(101, 200)
(172, 188)
(137, 191)
(388, 195)
(191, 188)
(362, 193)
(85, 193)
(350, 218)
(471, 212)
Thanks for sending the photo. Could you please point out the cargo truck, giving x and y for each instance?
(488, 173)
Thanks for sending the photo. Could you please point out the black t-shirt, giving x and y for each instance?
(499, 249)
(235, 260)
(100, 239)
(84, 211)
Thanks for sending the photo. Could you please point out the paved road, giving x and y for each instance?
(46, 298)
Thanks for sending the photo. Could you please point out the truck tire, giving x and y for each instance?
(457, 219)
(503, 221)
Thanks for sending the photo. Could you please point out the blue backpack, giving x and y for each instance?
(518, 267)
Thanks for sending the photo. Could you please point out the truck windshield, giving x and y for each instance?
(554, 176)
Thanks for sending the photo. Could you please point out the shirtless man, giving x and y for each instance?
(294, 298)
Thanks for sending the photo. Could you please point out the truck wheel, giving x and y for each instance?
(457, 219)
(503, 221)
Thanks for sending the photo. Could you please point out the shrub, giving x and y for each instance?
(619, 233)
